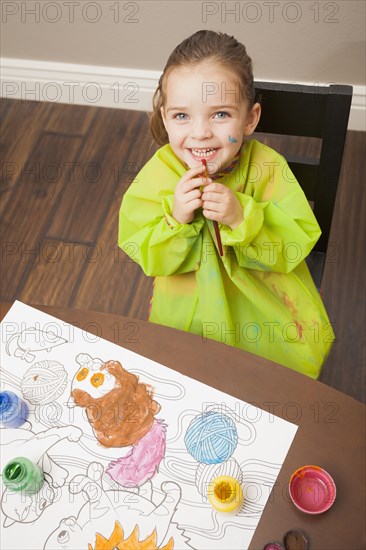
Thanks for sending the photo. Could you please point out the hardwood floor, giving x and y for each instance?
(65, 169)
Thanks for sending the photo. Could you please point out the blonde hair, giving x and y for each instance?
(202, 46)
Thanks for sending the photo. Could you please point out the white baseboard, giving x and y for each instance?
(91, 85)
(99, 86)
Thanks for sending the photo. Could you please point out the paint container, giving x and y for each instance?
(13, 410)
(20, 474)
(312, 489)
(225, 494)
(274, 546)
(296, 539)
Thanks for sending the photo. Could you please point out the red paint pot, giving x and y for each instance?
(312, 489)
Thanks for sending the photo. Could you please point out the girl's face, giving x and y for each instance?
(206, 116)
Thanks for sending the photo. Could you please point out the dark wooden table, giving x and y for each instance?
(331, 430)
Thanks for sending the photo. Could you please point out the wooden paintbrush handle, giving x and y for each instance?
(215, 224)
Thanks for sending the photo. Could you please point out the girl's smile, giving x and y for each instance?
(205, 116)
(207, 153)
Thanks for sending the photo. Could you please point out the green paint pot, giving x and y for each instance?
(20, 474)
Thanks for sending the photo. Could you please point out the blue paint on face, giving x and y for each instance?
(233, 140)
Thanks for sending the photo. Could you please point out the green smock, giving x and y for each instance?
(260, 295)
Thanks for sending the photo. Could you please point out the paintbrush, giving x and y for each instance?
(215, 224)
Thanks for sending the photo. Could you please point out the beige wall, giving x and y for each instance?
(301, 41)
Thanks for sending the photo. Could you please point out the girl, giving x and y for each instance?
(258, 295)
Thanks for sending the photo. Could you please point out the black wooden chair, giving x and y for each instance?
(311, 111)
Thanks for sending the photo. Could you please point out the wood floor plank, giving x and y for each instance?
(87, 198)
(54, 275)
(115, 283)
(20, 131)
(344, 275)
(25, 221)
(144, 290)
(70, 119)
(4, 109)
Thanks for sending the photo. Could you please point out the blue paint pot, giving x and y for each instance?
(13, 410)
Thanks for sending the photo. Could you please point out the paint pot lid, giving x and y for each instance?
(312, 489)
(296, 540)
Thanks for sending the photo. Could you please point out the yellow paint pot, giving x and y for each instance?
(225, 494)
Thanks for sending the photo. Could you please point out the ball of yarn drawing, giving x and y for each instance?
(49, 414)
(44, 382)
(207, 472)
(211, 437)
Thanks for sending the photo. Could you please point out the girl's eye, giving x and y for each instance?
(222, 114)
(180, 116)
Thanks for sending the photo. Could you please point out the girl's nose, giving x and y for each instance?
(201, 130)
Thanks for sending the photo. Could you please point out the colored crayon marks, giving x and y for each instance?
(211, 438)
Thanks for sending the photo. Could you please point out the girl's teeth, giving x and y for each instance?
(202, 152)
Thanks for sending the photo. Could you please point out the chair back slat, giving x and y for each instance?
(334, 137)
(288, 109)
(310, 111)
(307, 173)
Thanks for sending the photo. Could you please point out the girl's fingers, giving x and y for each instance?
(192, 173)
(212, 206)
(211, 215)
(187, 186)
(216, 188)
(191, 176)
(196, 203)
(194, 194)
(191, 200)
(213, 197)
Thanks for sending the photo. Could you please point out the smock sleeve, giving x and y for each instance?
(148, 232)
(279, 228)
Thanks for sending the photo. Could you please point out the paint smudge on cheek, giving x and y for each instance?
(233, 140)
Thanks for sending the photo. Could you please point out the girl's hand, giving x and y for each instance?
(221, 204)
(187, 196)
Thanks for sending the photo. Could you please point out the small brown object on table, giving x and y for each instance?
(331, 430)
